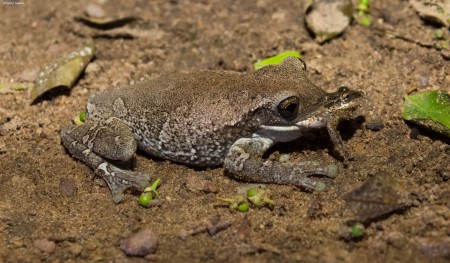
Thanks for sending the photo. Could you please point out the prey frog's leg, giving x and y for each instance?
(338, 145)
(94, 143)
(244, 161)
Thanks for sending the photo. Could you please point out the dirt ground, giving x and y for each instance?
(46, 196)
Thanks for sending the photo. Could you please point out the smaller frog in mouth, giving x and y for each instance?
(211, 118)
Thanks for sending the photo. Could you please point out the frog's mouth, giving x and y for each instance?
(343, 98)
(279, 133)
(286, 133)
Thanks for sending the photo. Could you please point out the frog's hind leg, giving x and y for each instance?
(96, 143)
(244, 161)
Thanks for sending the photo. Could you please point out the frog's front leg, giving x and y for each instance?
(244, 161)
(95, 143)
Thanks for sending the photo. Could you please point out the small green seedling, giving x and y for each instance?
(80, 119)
(255, 196)
(243, 207)
(238, 203)
(357, 231)
(259, 197)
(149, 193)
(82, 116)
(277, 59)
(438, 34)
(363, 6)
(365, 21)
(363, 13)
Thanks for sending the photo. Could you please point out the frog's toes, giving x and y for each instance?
(119, 180)
(311, 183)
(320, 186)
(314, 167)
(332, 170)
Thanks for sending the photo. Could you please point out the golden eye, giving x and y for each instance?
(288, 107)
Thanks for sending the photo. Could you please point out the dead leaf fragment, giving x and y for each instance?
(106, 23)
(380, 195)
(63, 71)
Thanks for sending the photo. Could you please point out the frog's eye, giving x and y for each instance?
(288, 107)
(344, 91)
(347, 94)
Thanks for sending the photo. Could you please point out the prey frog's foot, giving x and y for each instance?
(119, 180)
(245, 162)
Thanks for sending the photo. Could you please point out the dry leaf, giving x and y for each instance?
(63, 71)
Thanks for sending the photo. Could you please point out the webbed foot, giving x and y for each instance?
(96, 144)
(119, 180)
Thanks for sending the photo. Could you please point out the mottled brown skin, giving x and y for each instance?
(206, 118)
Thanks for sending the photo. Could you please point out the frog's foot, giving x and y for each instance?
(119, 180)
(244, 161)
(300, 172)
(94, 144)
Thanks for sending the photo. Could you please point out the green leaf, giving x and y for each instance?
(429, 109)
(63, 71)
(275, 60)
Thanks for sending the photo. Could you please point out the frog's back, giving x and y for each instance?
(163, 93)
(176, 116)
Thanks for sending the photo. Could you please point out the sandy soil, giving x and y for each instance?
(47, 195)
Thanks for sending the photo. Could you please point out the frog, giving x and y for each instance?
(211, 118)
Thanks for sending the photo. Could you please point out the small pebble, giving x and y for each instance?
(95, 11)
(32, 212)
(45, 245)
(374, 126)
(140, 244)
(284, 158)
(423, 81)
(16, 242)
(75, 249)
(67, 187)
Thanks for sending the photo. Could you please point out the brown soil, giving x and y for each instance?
(46, 195)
